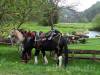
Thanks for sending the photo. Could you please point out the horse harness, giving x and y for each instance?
(55, 36)
(40, 37)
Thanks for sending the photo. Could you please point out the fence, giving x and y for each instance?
(94, 53)
(5, 41)
(73, 52)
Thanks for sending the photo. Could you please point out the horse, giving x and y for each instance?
(16, 37)
(25, 41)
(54, 41)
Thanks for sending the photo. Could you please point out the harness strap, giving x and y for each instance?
(58, 42)
(37, 37)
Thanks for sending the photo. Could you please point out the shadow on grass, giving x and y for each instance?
(11, 54)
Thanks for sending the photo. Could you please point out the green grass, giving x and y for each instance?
(91, 44)
(10, 64)
(70, 27)
(35, 27)
(63, 27)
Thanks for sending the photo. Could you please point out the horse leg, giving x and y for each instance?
(20, 48)
(36, 54)
(60, 57)
(55, 54)
(50, 53)
(44, 57)
(65, 56)
(45, 60)
(29, 54)
(24, 56)
(60, 60)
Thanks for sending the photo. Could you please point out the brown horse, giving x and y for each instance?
(26, 42)
(16, 36)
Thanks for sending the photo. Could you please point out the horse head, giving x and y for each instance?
(16, 35)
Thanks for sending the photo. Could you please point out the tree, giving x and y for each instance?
(17, 12)
(49, 15)
(50, 12)
(96, 22)
(14, 12)
(5, 10)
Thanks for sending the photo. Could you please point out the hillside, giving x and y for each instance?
(70, 15)
(91, 12)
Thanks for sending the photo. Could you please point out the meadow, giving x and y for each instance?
(92, 44)
(63, 27)
(10, 62)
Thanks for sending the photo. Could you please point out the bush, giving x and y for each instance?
(43, 22)
(96, 22)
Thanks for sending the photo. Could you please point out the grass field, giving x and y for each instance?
(10, 62)
(63, 27)
(91, 44)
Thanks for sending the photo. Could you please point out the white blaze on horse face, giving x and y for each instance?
(60, 61)
(45, 60)
(35, 60)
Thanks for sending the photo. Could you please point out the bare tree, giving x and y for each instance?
(51, 11)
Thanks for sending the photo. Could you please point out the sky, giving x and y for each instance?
(80, 5)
